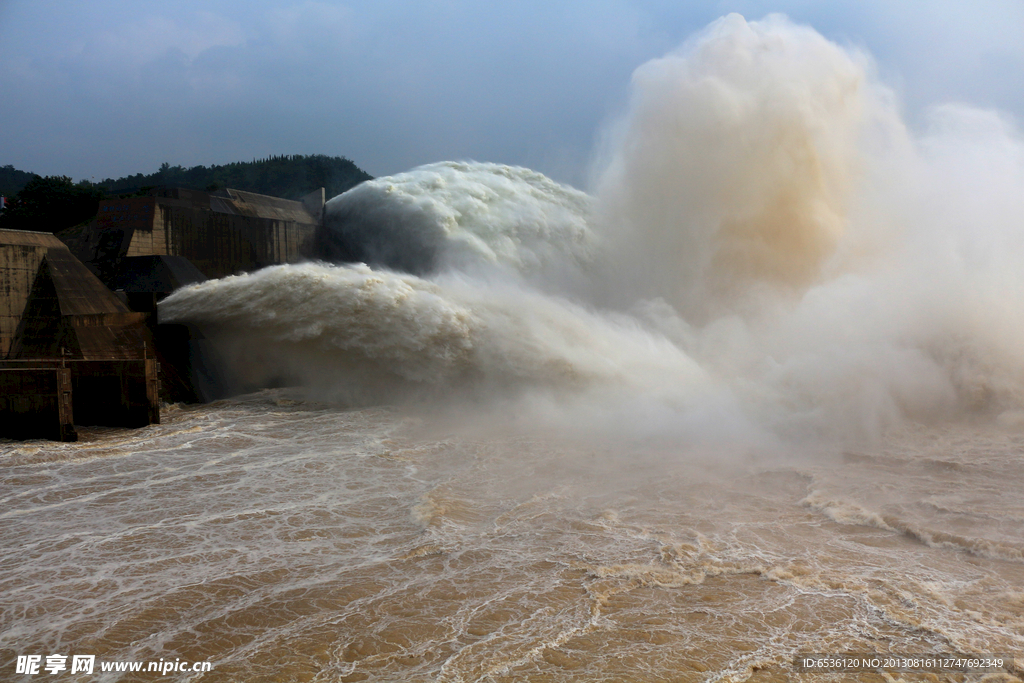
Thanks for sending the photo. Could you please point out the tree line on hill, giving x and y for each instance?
(50, 204)
(53, 203)
(12, 180)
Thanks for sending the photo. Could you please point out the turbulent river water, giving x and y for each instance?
(282, 539)
(758, 395)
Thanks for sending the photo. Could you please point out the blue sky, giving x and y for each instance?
(107, 88)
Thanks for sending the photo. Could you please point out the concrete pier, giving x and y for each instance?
(75, 350)
(35, 402)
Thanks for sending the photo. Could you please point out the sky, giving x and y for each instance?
(109, 88)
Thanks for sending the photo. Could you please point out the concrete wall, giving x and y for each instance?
(116, 393)
(222, 244)
(18, 266)
(138, 214)
(36, 403)
(130, 213)
(21, 253)
(221, 234)
(69, 321)
(38, 398)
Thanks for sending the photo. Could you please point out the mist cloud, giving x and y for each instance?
(770, 250)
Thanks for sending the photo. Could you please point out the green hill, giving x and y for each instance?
(288, 176)
(56, 202)
(12, 180)
(50, 204)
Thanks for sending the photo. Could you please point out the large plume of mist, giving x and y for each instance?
(734, 165)
(768, 250)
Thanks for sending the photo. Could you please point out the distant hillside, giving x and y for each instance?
(50, 204)
(288, 176)
(55, 203)
(12, 180)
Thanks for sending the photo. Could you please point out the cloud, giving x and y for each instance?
(395, 83)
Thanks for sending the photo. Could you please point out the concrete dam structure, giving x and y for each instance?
(74, 351)
(64, 334)
(220, 233)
